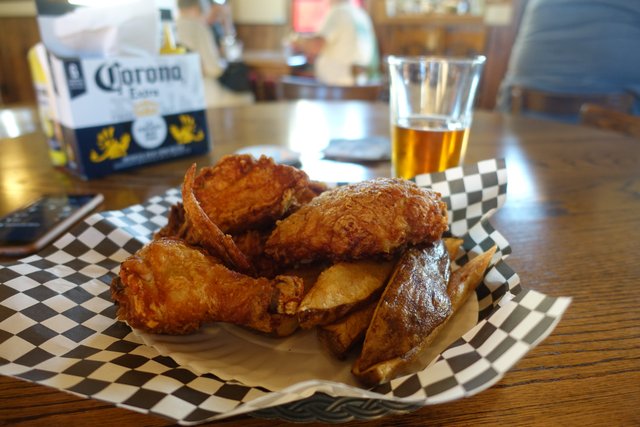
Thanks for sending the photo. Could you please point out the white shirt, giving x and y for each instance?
(349, 40)
(197, 37)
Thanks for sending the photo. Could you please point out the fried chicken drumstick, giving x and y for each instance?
(372, 218)
(170, 287)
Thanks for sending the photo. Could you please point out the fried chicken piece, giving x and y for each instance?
(191, 224)
(372, 218)
(305, 194)
(170, 287)
(241, 193)
(175, 223)
(205, 233)
(251, 243)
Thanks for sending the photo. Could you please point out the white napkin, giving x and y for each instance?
(130, 29)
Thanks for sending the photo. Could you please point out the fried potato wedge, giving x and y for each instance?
(413, 304)
(341, 336)
(453, 246)
(461, 284)
(466, 279)
(341, 288)
(309, 273)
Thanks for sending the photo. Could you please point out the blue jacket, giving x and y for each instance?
(577, 47)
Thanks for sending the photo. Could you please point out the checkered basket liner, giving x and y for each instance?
(58, 327)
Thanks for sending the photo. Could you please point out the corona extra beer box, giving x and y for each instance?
(119, 113)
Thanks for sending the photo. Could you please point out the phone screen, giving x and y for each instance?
(31, 223)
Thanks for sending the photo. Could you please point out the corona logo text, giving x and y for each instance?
(112, 77)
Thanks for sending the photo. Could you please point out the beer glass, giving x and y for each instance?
(431, 106)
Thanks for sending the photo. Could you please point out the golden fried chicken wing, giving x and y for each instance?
(176, 223)
(241, 193)
(172, 288)
(372, 218)
(189, 222)
(205, 233)
(251, 243)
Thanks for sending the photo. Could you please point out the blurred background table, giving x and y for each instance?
(267, 66)
(571, 217)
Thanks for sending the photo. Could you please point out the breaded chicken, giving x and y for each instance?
(170, 287)
(240, 193)
(374, 218)
(205, 233)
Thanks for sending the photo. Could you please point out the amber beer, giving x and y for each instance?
(431, 109)
(423, 145)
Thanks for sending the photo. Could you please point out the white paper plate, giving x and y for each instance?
(234, 353)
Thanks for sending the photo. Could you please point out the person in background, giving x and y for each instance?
(219, 16)
(344, 51)
(194, 34)
(578, 47)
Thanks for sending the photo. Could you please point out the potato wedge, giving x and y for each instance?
(466, 279)
(461, 284)
(453, 246)
(309, 273)
(341, 288)
(413, 304)
(340, 337)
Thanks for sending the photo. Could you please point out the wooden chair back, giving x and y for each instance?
(525, 100)
(606, 118)
(295, 87)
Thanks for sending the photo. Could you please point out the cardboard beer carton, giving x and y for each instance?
(114, 102)
(123, 112)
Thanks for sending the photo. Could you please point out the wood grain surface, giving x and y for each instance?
(572, 217)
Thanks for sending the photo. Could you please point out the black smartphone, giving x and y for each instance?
(30, 228)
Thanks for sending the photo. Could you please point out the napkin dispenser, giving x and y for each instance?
(118, 104)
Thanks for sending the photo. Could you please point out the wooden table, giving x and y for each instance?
(268, 66)
(572, 217)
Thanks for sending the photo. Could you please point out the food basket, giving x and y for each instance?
(58, 325)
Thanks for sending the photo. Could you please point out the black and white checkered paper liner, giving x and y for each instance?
(58, 327)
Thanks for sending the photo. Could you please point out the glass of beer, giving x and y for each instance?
(431, 105)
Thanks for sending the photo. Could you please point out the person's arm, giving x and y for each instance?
(310, 46)
(221, 14)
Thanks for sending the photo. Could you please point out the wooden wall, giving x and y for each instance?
(17, 35)
(262, 37)
(458, 35)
